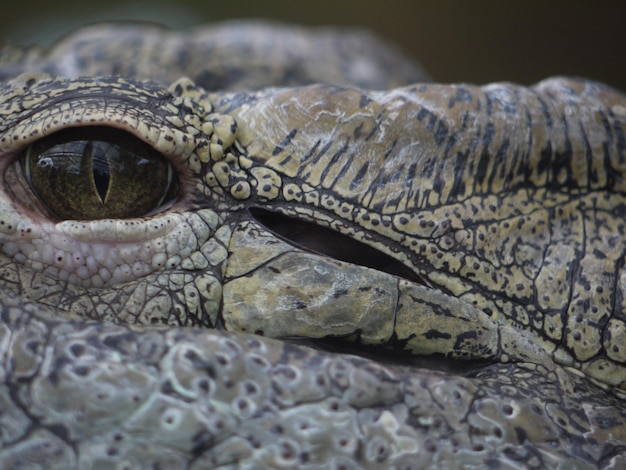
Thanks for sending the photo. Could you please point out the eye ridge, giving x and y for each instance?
(97, 172)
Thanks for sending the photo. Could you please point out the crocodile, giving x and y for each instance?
(260, 246)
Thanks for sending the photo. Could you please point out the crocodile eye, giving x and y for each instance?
(94, 173)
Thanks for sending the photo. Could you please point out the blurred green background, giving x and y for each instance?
(474, 41)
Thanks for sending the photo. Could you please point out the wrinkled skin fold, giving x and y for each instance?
(492, 318)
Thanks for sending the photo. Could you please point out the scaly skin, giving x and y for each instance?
(506, 204)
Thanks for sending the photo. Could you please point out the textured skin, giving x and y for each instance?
(508, 202)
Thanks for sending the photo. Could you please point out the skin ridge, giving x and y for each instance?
(506, 200)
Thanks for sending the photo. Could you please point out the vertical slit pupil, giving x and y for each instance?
(102, 183)
(101, 171)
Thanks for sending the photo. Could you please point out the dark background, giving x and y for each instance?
(474, 41)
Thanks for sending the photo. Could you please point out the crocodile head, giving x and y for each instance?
(468, 239)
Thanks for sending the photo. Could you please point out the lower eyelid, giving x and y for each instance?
(108, 252)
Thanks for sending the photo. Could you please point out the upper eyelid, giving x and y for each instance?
(146, 119)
